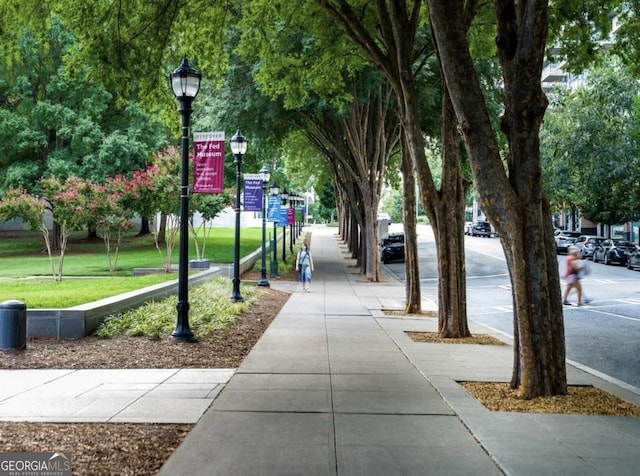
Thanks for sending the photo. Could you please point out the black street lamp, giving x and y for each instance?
(238, 148)
(292, 229)
(185, 83)
(285, 197)
(274, 190)
(264, 176)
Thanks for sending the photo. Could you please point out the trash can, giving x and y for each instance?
(13, 325)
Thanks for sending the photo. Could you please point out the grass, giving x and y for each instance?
(45, 293)
(23, 254)
(27, 271)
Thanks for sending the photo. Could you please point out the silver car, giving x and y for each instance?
(586, 244)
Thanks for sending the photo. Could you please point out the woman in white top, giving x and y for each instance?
(304, 265)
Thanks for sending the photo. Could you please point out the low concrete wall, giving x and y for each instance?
(80, 321)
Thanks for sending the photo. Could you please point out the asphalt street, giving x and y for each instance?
(603, 337)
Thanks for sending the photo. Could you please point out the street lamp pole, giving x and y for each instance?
(292, 201)
(238, 148)
(285, 197)
(264, 176)
(185, 83)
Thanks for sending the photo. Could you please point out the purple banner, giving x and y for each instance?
(252, 193)
(208, 162)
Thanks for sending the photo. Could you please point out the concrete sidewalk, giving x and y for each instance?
(109, 395)
(334, 386)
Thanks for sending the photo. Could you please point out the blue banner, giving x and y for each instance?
(273, 208)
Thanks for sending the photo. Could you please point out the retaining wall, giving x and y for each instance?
(80, 321)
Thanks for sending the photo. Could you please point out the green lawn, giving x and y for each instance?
(25, 266)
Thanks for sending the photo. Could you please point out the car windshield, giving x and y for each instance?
(623, 244)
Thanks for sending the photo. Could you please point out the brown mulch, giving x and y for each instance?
(497, 396)
(580, 400)
(434, 338)
(127, 449)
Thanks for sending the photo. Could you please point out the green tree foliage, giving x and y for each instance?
(59, 121)
(590, 151)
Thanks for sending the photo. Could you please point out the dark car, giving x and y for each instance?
(392, 248)
(633, 261)
(587, 243)
(613, 251)
(565, 239)
(481, 228)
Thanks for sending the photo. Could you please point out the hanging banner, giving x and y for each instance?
(291, 215)
(252, 192)
(208, 162)
(282, 219)
(273, 208)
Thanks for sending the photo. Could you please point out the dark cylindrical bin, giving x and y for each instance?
(13, 325)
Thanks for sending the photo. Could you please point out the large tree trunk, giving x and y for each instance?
(514, 202)
(412, 270)
(449, 230)
(144, 227)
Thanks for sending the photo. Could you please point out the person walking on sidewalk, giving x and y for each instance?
(304, 265)
(573, 269)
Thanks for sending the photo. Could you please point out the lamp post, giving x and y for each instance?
(238, 145)
(264, 176)
(292, 231)
(185, 83)
(274, 190)
(285, 197)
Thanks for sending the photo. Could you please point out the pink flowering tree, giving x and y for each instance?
(112, 219)
(17, 204)
(69, 202)
(166, 184)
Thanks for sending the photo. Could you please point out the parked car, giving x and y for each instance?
(587, 243)
(613, 251)
(467, 227)
(566, 239)
(392, 248)
(633, 261)
(481, 228)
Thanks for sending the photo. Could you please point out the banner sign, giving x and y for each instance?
(291, 215)
(252, 192)
(282, 219)
(208, 162)
(273, 208)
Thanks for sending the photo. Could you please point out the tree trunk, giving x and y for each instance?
(144, 227)
(513, 201)
(412, 270)
(449, 231)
